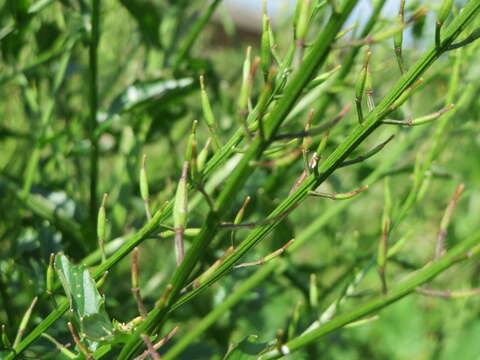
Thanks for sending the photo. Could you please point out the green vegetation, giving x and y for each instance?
(314, 194)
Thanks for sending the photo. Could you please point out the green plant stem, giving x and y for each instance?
(194, 32)
(92, 124)
(293, 90)
(455, 255)
(146, 231)
(344, 149)
(276, 264)
(348, 63)
(331, 163)
(238, 295)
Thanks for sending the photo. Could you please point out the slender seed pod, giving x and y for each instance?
(313, 293)
(50, 275)
(208, 116)
(191, 152)
(292, 326)
(447, 216)
(102, 280)
(340, 196)
(101, 223)
(302, 31)
(239, 217)
(323, 77)
(403, 97)
(369, 88)
(180, 210)
(296, 17)
(273, 46)
(303, 20)
(136, 283)
(24, 323)
(144, 192)
(202, 156)
(83, 349)
(398, 38)
(5, 340)
(360, 86)
(245, 90)
(443, 13)
(265, 48)
(383, 244)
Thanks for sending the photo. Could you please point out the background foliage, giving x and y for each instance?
(148, 97)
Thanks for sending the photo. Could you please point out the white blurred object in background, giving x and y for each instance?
(247, 14)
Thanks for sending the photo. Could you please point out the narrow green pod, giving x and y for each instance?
(101, 226)
(102, 280)
(340, 196)
(209, 116)
(180, 210)
(245, 89)
(5, 340)
(239, 217)
(398, 38)
(265, 46)
(444, 11)
(369, 88)
(24, 322)
(404, 96)
(323, 77)
(50, 275)
(62, 348)
(292, 326)
(203, 155)
(144, 192)
(303, 21)
(191, 152)
(313, 292)
(360, 86)
(296, 16)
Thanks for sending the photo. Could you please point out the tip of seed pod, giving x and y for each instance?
(202, 83)
(194, 126)
(104, 200)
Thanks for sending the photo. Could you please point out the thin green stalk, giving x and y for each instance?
(276, 264)
(348, 63)
(293, 90)
(237, 295)
(457, 254)
(146, 231)
(92, 123)
(47, 114)
(194, 32)
(344, 149)
(341, 152)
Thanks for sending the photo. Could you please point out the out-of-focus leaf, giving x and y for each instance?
(247, 349)
(85, 300)
(143, 95)
(47, 35)
(148, 19)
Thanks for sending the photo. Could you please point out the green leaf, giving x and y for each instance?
(143, 95)
(248, 349)
(86, 302)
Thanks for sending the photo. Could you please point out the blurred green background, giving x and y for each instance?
(146, 106)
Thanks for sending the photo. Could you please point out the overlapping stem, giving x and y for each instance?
(455, 255)
(283, 107)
